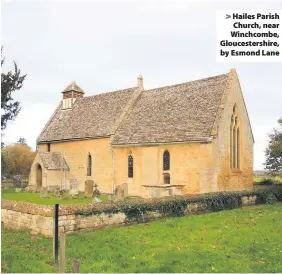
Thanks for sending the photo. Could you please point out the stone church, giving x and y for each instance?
(188, 138)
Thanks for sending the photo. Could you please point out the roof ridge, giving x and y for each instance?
(189, 82)
(107, 92)
(50, 152)
(118, 113)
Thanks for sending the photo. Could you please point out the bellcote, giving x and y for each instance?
(70, 94)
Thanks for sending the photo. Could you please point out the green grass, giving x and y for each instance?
(259, 178)
(35, 198)
(241, 240)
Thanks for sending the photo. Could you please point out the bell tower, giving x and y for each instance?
(70, 94)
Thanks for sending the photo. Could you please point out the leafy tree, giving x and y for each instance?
(274, 151)
(22, 141)
(18, 159)
(10, 82)
(3, 163)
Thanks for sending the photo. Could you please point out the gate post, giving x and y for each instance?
(56, 233)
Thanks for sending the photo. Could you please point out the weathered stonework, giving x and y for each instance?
(33, 222)
(190, 120)
(249, 200)
(39, 219)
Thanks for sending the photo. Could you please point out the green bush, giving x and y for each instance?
(224, 201)
(277, 191)
(136, 209)
(265, 182)
(269, 195)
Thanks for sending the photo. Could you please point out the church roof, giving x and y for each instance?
(53, 160)
(90, 117)
(177, 113)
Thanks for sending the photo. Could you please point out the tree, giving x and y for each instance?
(18, 159)
(274, 151)
(10, 82)
(22, 141)
(3, 162)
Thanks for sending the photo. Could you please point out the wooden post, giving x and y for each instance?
(56, 233)
(75, 266)
(62, 253)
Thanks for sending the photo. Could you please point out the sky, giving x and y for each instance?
(105, 45)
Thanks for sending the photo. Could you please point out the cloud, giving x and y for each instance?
(104, 45)
(28, 124)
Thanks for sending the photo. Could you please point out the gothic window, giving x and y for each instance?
(235, 140)
(166, 160)
(130, 166)
(89, 165)
(238, 147)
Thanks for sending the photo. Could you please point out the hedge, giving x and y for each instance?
(136, 209)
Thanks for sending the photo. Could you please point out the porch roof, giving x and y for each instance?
(53, 160)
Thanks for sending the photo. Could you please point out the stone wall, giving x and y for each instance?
(39, 219)
(226, 178)
(76, 155)
(33, 222)
(22, 215)
(190, 165)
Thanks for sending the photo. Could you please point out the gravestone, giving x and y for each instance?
(96, 200)
(121, 192)
(73, 192)
(57, 192)
(17, 181)
(88, 192)
(18, 189)
(5, 186)
(30, 188)
(96, 191)
(66, 196)
(73, 187)
(111, 197)
(43, 192)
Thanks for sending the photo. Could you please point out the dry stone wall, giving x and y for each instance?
(39, 219)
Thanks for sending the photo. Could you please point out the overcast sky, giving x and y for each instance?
(103, 46)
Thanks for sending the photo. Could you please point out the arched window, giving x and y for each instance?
(166, 160)
(238, 147)
(130, 166)
(235, 140)
(89, 165)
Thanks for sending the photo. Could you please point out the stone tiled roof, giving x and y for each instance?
(91, 117)
(177, 113)
(53, 160)
(73, 87)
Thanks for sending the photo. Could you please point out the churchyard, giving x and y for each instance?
(17, 190)
(50, 199)
(247, 239)
(116, 233)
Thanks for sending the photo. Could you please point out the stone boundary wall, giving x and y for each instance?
(39, 218)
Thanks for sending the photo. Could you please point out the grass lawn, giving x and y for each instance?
(35, 198)
(259, 178)
(241, 240)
